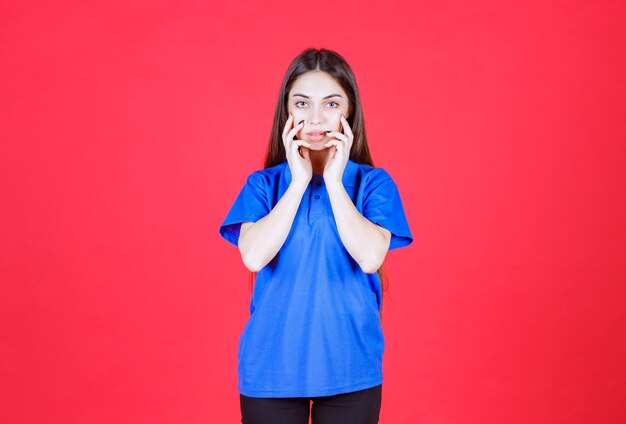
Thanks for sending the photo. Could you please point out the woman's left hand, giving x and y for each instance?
(339, 153)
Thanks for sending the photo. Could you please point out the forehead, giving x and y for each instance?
(316, 84)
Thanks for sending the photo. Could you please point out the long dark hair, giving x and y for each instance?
(336, 66)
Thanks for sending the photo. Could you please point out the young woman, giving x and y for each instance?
(315, 225)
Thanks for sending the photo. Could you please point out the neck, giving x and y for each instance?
(318, 160)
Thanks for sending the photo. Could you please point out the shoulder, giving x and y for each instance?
(375, 177)
(266, 177)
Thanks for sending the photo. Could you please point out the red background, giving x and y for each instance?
(128, 128)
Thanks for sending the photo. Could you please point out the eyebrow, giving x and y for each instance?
(307, 97)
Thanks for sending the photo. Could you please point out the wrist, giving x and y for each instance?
(333, 186)
(299, 185)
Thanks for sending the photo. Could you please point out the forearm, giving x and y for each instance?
(262, 241)
(363, 239)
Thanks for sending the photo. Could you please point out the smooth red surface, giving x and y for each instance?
(127, 129)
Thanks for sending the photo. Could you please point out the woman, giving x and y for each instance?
(315, 225)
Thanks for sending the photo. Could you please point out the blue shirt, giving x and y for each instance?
(314, 327)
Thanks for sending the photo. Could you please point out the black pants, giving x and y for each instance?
(360, 407)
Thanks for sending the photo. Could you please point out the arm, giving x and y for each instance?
(366, 242)
(260, 241)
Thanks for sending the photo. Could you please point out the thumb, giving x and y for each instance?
(305, 152)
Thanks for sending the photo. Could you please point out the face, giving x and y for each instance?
(319, 100)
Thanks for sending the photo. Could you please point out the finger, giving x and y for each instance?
(295, 145)
(346, 126)
(338, 135)
(347, 140)
(334, 145)
(291, 134)
(302, 143)
(286, 128)
(305, 152)
(287, 125)
(340, 148)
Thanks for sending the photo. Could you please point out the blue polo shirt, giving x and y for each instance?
(314, 327)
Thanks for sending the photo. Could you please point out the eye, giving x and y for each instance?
(300, 102)
(334, 103)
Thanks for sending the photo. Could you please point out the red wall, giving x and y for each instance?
(127, 129)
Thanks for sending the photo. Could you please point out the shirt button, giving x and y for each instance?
(317, 196)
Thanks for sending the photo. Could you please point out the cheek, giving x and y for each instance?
(298, 114)
(337, 121)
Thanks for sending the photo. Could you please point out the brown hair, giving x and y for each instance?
(336, 66)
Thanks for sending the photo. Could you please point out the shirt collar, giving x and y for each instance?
(349, 173)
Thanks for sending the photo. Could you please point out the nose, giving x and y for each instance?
(315, 116)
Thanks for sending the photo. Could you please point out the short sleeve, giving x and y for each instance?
(382, 205)
(251, 204)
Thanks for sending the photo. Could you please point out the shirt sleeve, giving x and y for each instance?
(251, 204)
(382, 205)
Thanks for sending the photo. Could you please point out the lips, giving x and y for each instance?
(316, 133)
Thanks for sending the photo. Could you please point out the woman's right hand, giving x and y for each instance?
(299, 164)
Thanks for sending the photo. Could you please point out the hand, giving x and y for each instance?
(299, 164)
(339, 152)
